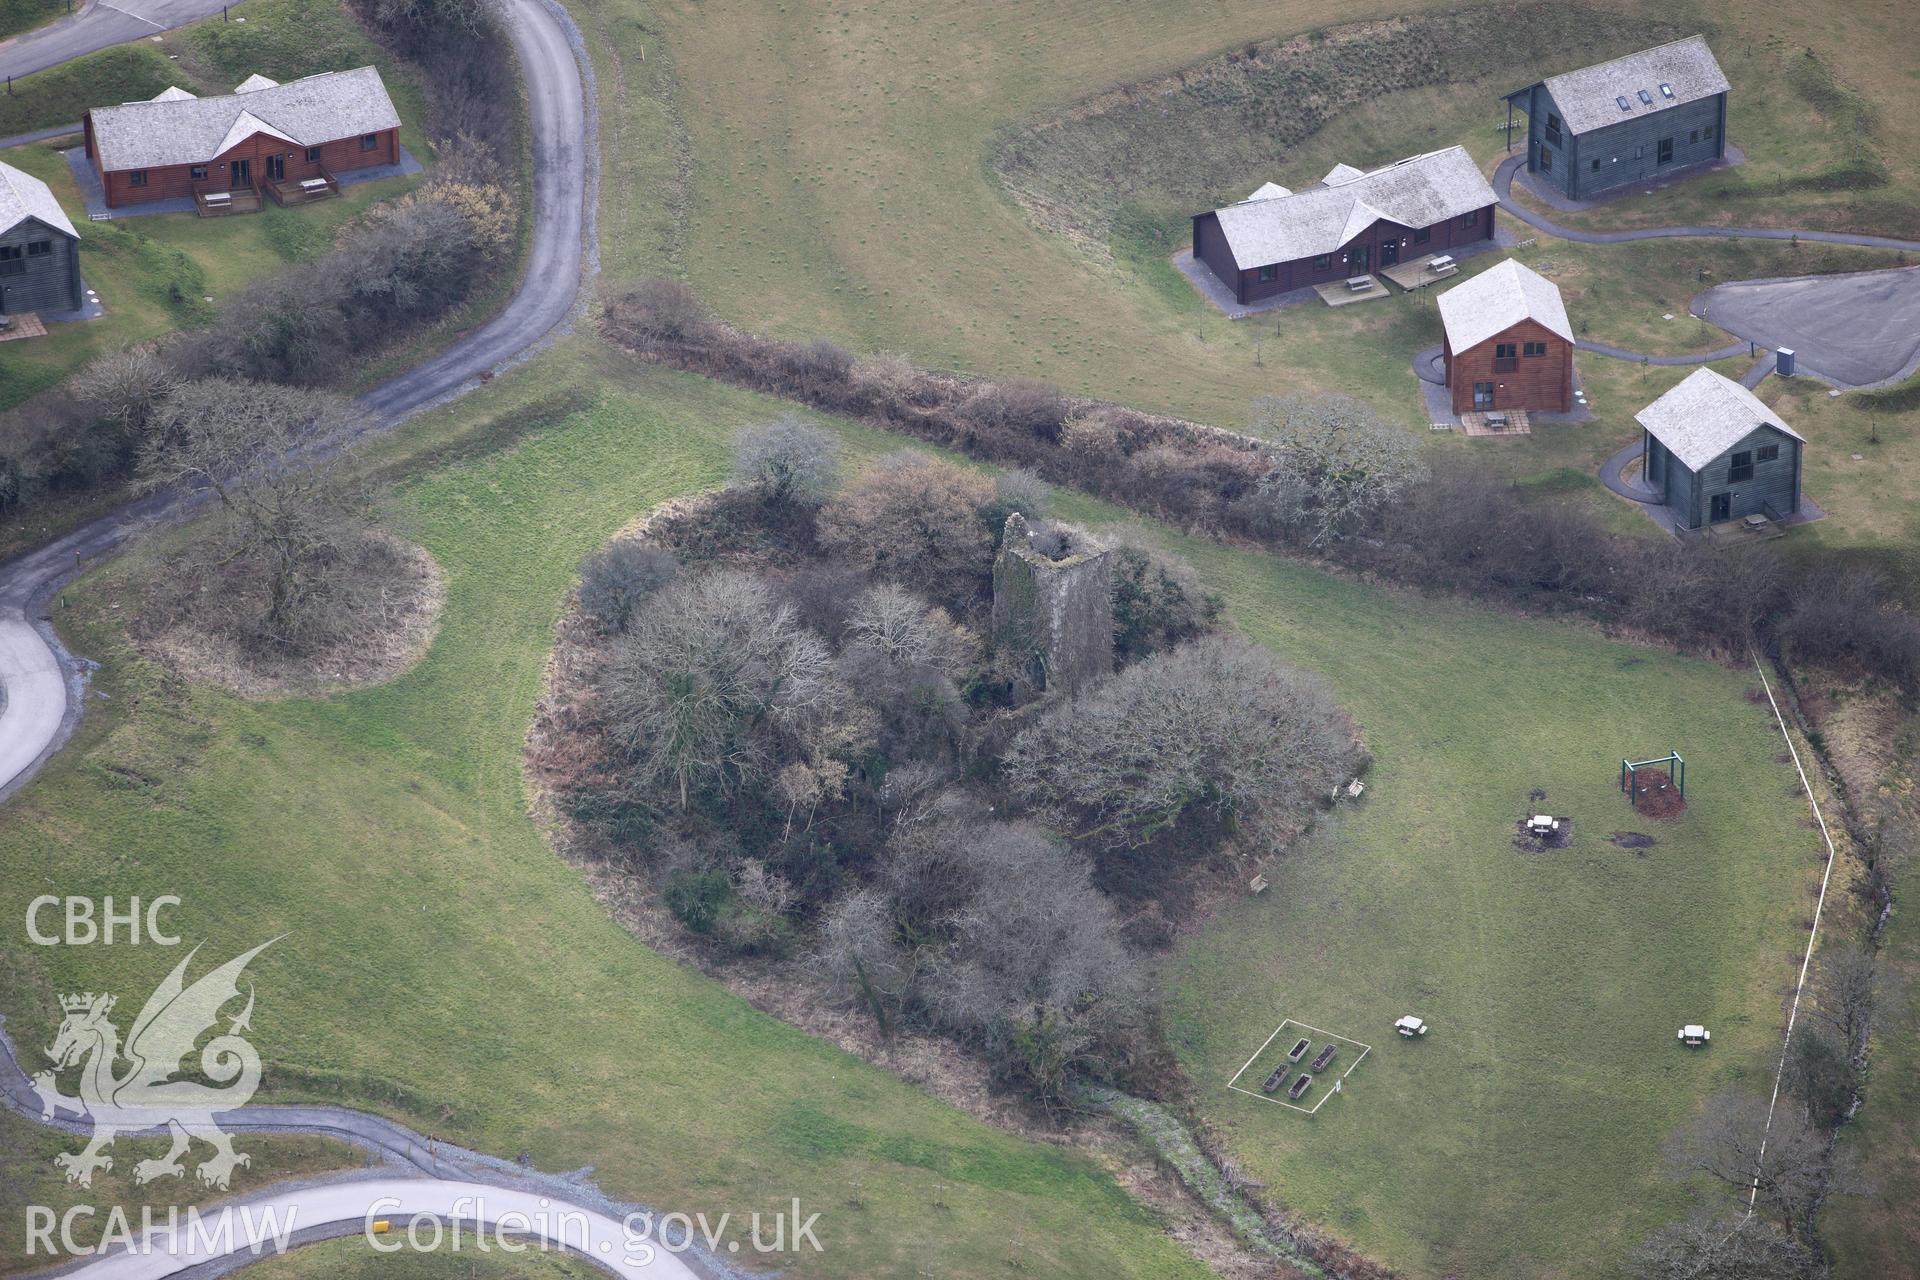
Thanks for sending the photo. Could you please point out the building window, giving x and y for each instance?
(1422, 235)
(1740, 467)
(1269, 273)
(313, 155)
(368, 141)
(1536, 348)
(1768, 453)
(136, 177)
(1470, 219)
(12, 261)
(1483, 395)
(39, 248)
(1323, 263)
(198, 172)
(1663, 152)
(1546, 160)
(1553, 128)
(1503, 351)
(1693, 136)
(1707, 131)
(1596, 166)
(1640, 152)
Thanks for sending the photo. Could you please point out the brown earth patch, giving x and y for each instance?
(1655, 795)
(387, 644)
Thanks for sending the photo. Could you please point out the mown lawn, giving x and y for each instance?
(1521, 1138)
(441, 963)
(353, 1259)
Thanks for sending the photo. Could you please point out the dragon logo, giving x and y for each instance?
(146, 1094)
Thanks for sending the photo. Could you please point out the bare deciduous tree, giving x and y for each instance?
(787, 460)
(283, 505)
(1843, 994)
(616, 580)
(1729, 1248)
(914, 519)
(1213, 730)
(1725, 1142)
(715, 684)
(1334, 463)
(861, 955)
(126, 387)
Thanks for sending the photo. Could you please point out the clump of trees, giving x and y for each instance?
(1322, 474)
(1213, 735)
(803, 739)
(291, 566)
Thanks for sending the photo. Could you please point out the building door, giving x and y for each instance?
(276, 167)
(1357, 260)
(241, 172)
(1483, 395)
(1663, 153)
(1389, 253)
(1722, 508)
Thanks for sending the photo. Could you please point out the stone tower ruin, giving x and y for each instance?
(1052, 607)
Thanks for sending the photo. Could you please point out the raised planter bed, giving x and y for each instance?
(1300, 1086)
(1273, 1080)
(1299, 1050)
(1325, 1056)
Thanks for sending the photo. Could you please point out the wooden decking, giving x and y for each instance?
(1419, 272)
(297, 191)
(1336, 294)
(211, 204)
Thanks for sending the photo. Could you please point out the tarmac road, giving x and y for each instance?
(95, 26)
(1860, 329)
(39, 712)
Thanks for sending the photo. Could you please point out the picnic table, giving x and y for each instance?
(1442, 263)
(1359, 284)
(308, 184)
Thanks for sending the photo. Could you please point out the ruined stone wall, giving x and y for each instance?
(1053, 607)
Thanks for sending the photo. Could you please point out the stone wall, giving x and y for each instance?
(1052, 607)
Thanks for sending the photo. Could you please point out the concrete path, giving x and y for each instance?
(566, 156)
(1503, 188)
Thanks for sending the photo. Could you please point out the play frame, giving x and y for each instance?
(1325, 1093)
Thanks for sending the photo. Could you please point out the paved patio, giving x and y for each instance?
(95, 196)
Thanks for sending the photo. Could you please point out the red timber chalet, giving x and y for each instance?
(1509, 344)
(1348, 224)
(262, 133)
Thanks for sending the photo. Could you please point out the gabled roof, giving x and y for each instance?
(1496, 300)
(255, 82)
(1706, 415)
(1670, 75)
(24, 196)
(1341, 173)
(1268, 191)
(172, 93)
(1419, 191)
(306, 112)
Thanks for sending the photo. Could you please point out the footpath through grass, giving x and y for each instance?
(440, 963)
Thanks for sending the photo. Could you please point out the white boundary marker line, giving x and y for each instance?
(1365, 1049)
(1806, 961)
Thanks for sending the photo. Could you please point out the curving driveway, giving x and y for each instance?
(1503, 188)
(43, 682)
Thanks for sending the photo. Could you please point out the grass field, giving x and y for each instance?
(167, 271)
(442, 964)
(353, 1259)
(837, 180)
(428, 914)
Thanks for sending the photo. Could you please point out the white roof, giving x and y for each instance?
(1341, 173)
(1706, 415)
(1589, 98)
(24, 196)
(255, 82)
(172, 93)
(305, 112)
(1268, 190)
(1496, 300)
(1419, 191)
